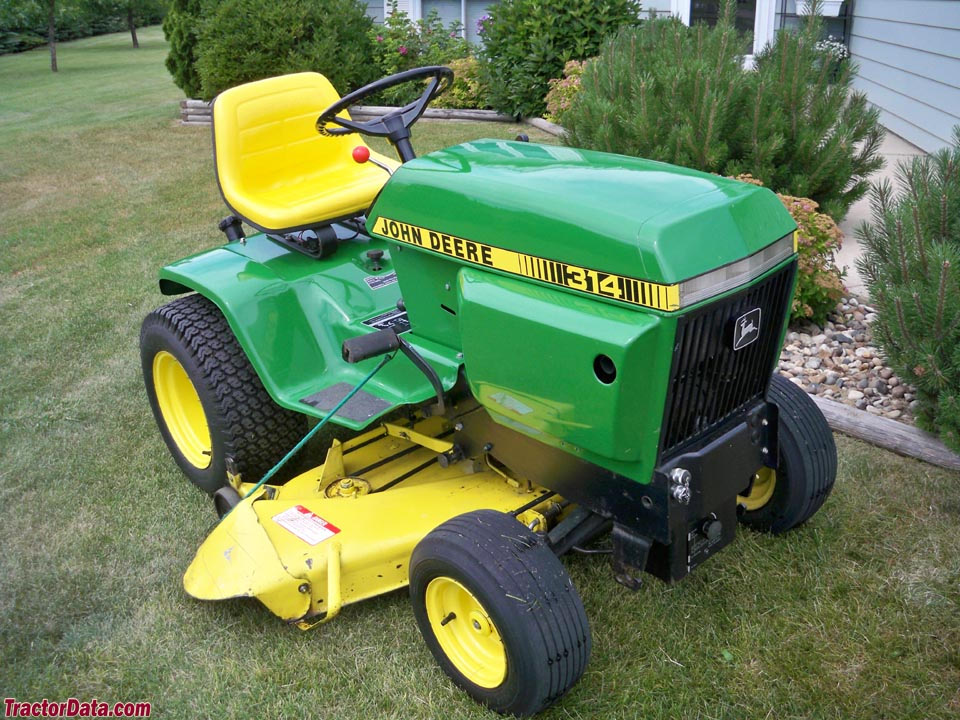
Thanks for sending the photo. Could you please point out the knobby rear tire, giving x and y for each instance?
(244, 421)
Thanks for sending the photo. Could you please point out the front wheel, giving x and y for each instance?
(207, 398)
(499, 612)
(779, 500)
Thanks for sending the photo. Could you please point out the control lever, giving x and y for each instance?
(381, 342)
(361, 154)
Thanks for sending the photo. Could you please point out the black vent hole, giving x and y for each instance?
(604, 369)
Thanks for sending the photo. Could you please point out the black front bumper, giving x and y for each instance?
(691, 507)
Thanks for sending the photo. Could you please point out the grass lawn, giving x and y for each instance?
(856, 615)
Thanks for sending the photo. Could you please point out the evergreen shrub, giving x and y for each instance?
(527, 42)
(911, 265)
(246, 40)
(681, 95)
(181, 29)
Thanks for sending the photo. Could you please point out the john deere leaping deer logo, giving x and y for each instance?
(746, 329)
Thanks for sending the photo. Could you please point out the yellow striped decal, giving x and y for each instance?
(603, 284)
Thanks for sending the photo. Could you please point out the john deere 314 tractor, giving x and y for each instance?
(535, 345)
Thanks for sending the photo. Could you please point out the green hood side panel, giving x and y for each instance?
(611, 213)
(291, 314)
(531, 353)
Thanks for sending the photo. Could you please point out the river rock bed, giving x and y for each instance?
(840, 362)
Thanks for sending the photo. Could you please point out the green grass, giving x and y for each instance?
(853, 616)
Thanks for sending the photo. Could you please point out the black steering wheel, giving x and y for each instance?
(394, 125)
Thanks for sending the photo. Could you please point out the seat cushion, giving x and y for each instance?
(274, 169)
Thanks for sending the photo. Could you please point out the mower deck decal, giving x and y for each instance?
(595, 282)
(306, 525)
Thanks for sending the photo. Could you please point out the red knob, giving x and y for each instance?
(361, 154)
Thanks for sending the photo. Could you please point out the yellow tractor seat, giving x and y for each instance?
(275, 170)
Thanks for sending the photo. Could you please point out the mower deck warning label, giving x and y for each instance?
(306, 525)
(553, 272)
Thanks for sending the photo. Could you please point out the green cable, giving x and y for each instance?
(273, 471)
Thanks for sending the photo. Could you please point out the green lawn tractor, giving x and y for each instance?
(537, 346)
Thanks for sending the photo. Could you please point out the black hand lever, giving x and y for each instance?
(381, 342)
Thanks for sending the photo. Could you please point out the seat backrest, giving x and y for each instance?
(265, 136)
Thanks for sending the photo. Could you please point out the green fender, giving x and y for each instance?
(291, 313)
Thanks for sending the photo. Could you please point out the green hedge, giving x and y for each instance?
(245, 40)
(527, 42)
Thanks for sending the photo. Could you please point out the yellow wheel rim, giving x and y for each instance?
(181, 410)
(764, 483)
(466, 633)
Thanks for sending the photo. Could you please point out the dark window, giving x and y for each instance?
(708, 10)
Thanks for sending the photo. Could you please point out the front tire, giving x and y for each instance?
(206, 397)
(782, 499)
(499, 612)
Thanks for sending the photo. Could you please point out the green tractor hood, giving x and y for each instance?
(611, 213)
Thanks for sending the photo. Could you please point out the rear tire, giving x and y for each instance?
(787, 497)
(206, 397)
(499, 612)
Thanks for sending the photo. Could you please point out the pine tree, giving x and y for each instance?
(911, 264)
(664, 91)
(811, 133)
(679, 94)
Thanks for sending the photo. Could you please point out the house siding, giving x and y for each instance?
(375, 11)
(908, 53)
(378, 9)
(661, 7)
(451, 11)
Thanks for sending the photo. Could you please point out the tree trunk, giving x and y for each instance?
(132, 25)
(52, 33)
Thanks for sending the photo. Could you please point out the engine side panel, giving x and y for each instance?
(583, 376)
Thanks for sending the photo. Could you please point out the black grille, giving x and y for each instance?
(710, 381)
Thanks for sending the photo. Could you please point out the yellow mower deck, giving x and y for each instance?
(344, 531)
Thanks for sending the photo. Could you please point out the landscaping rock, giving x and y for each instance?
(840, 361)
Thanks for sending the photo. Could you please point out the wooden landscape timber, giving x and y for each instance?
(199, 112)
(435, 113)
(888, 434)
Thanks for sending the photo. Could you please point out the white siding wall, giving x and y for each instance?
(375, 10)
(453, 11)
(662, 7)
(909, 57)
